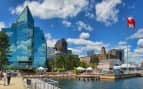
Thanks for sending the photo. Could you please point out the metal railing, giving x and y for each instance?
(41, 84)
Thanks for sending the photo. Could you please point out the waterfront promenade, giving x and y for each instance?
(16, 83)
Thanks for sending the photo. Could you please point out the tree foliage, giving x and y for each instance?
(94, 61)
(68, 62)
(4, 49)
(83, 64)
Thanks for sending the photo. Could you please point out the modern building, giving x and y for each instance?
(28, 44)
(51, 53)
(61, 47)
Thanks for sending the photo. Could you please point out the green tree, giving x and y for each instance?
(71, 61)
(83, 64)
(68, 62)
(4, 50)
(94, 61)
(59, 61)
(50, 65)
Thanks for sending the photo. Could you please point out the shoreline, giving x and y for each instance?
(86, 76)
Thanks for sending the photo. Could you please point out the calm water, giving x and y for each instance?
(132, 83)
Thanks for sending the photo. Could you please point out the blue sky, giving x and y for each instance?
(85, 24)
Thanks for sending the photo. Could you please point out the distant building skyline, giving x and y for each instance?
(83, 26)
(111, 54)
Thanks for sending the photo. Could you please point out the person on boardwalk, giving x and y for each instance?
(8, 77)
(4, 77)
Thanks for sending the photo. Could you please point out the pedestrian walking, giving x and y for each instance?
(8, 77)
(4, 77)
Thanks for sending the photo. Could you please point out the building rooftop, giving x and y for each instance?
(25, 17)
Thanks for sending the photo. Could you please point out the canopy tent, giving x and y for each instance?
(116, 67)
(80, 68)
(89, 68)
(41, 68)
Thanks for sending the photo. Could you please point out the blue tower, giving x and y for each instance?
(28, 44)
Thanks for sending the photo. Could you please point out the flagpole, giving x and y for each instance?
(127, 53)
(130, 21)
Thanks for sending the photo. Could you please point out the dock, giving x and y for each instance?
(86, 76)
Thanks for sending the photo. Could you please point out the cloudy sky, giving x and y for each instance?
(85, 24)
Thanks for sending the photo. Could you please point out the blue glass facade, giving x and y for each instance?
(28, 44)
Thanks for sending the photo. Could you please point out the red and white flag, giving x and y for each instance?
(131, 22)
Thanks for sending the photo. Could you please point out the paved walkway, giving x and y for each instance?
(16, 83)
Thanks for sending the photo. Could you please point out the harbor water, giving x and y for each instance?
(131, 83)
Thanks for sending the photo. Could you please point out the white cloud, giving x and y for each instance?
(53, 8)
(84, 45)
(67, 23)
(83, 42)
(136, 55)
(2, 25)
(133, 56)
(107, 12)
(91, 15)
(122, 43)
(51, 42)
(84, 35)
(75, 51)
(82, 25)
(48, 35)
(138, 34)
(140, 43)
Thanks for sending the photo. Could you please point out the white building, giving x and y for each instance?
(108, 64)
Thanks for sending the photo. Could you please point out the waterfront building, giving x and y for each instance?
(116, 54)
(108, 64)
(85, 59)
(112, 54)
(102, 55)
(28, 44)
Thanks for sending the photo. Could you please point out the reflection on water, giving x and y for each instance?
(132, 83)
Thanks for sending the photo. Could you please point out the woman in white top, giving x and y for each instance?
(4, 77)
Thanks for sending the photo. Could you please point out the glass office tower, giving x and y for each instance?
(28, 44)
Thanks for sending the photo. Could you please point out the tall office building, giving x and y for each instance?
(61, 47)
(28, 44)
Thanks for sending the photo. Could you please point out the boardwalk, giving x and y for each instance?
(16, 83)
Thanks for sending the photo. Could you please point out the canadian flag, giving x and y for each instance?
(130, 22)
